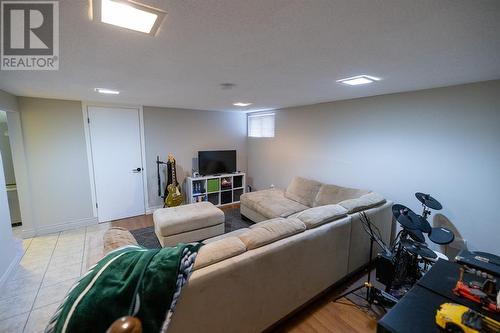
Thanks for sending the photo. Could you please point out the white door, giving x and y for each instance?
(115, 140)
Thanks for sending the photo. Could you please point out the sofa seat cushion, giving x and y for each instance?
(333, 194)
(271, 203)
(176, 220)
(317, 216)
(219, 250)
(271, 232)
(364, 202)
(303, 190)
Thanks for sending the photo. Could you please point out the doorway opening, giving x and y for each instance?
(9, 176)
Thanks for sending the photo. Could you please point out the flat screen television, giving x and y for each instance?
(216, 162)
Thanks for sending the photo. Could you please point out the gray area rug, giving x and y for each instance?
(146, 236)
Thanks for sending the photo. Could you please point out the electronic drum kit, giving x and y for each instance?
(410, 256)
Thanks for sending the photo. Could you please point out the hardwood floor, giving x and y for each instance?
(322, 315)
(133, 223)
(330, 317)
(325, 316)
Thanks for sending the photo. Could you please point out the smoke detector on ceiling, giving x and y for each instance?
(227, 86)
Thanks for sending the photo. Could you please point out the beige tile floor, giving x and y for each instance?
(48, 268)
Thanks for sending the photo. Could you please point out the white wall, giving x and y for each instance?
(55, 149)
(184, 132)
(442, 141)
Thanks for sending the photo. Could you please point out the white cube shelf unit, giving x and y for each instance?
(224, 189)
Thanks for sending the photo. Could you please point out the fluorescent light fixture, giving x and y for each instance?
(129, 14)
(242, 104)
(107, 91)
(358, 80)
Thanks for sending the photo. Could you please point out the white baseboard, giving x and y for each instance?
(49, 229)
(150, 210)
(13, 264)
(28, 233)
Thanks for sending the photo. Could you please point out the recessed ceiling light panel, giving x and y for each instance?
(106, 91)
(128, 14)
(358, 80)
(242, 104)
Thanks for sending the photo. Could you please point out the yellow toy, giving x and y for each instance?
(457, 318)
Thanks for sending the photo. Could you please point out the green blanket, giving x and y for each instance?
(130, 281)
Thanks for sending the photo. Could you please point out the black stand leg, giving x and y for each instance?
(366, 284)
(351, 292)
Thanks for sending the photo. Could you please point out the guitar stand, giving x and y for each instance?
(158, 163)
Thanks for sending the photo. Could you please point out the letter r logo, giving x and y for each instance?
(28, 28)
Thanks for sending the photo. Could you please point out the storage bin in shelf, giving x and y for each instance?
(213, 185)
(214, 198)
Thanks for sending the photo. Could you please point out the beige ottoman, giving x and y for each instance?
(188, 223)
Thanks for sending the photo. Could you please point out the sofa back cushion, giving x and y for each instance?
(317, 216)
(271, 232)
(333, 194)
(364, 202)
(263, 223)
(219, 250)
(303, 190)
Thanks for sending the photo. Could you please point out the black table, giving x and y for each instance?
(416, 311)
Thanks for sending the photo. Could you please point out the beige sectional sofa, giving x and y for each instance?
(304, 196)
(308, 237)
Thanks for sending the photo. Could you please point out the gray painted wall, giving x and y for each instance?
(8, 102)
(442, 141)
(56, 154)
(184, 132)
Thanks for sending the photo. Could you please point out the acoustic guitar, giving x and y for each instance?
(174, 197)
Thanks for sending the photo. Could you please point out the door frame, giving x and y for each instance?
(86, 125)
(21, 172)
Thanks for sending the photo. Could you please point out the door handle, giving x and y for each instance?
(136, 170)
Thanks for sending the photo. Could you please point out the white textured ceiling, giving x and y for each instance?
(278, 52)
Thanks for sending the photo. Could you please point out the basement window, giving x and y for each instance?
(261, 125)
